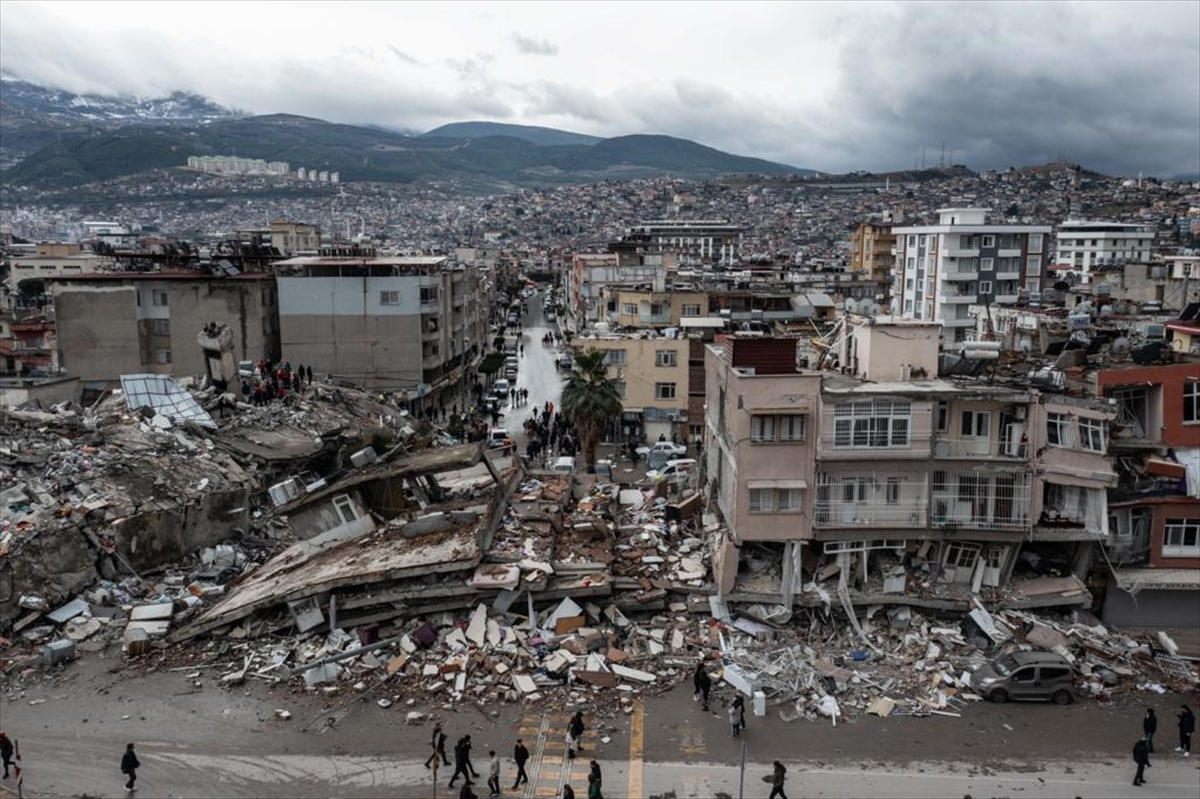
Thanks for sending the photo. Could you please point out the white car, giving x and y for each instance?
(674, 450)
(564, 465)
(676, 471)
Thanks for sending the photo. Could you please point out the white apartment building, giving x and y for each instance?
(943, 269)
(1082, 245)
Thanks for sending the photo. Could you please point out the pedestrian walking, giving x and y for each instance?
(129, 767)
(1142, 758)
(521, 755)
(461, 763)
(576, 727)
(568, 792)
(703, 684)
(1149, 727)
(439, 746)
(777, 780)
(310, 378)
(735, 721)
(466, 792)
(570, 744)
(595, 781)
(6, 752)
(740, 703)
(493, 774)
(1187, 725)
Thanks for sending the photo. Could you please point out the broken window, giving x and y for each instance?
(962, 555)
(1132, 409)
(345, 508)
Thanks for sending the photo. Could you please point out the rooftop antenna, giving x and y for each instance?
(942, 162)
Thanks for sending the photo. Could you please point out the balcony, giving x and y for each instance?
(954, 275)
(1009, 252)
(841, 515)
(1007, 299)
(959, 252)
(958, 299)
(968, 321)
(981, 448)
(1008, 275)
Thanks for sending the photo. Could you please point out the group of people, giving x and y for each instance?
(550, 339)
(518, 397)
(275, 381)
(1145, 746)
(549, 434)
(462, 762)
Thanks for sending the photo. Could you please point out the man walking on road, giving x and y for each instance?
(6, 752)
(1142, 758)
(521, 755)
(1187, 725)
(439, 746)
(462, 764)
(493, 774)
(575, 730)
(1149, 727)
(703, 683)
(129, 767)
(777, 780)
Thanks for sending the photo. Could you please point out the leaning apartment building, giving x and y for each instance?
(877, 482)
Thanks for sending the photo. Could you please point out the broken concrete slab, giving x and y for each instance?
(633, 674)
(477, 629)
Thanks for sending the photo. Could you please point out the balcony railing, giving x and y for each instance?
(948, 447)
(957, 276)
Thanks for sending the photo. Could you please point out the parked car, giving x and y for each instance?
(564, 465)
(565, 361)
(676, 471)
(245, 368)
(500, 389)
(1025, 676)
(498, 437)
(672, 449)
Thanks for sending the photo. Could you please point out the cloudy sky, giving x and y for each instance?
(837, 86)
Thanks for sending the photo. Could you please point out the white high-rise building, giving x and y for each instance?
(941, 270)
(1082, 245)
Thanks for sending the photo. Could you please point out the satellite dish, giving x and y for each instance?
(850, 305)
(875, 309)
(1120, 345)
(1025, 345)
(1106, 312)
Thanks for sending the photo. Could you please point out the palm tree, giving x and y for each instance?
(589, 400)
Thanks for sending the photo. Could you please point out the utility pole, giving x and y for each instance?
(742, 775)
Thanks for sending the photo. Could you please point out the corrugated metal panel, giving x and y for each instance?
(766, 356)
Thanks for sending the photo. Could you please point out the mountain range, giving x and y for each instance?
(55, 139)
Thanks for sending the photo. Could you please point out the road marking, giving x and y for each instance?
(637, 730)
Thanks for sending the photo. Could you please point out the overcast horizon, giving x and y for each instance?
(835, 87)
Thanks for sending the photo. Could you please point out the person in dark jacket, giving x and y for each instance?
(576, 728)
(129, 767)
(595, 781)
(466, 792)
(439, 746)
(703, 683)
(6, 752)
(1187, 725)
(777, 780)
(462, 751)
(521, 755)
(1142, 758)
(568, 792)
(1149, 727)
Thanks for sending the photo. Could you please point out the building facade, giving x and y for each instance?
(1079, 246)
(872, 253)
(943, 269)
(696, 242)
(651, 375)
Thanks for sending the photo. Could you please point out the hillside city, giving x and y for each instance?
(649, 483)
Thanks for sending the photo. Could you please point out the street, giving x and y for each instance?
(535, 372)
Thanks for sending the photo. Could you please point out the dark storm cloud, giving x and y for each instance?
(531, 45)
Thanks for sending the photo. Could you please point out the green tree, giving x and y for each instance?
(589, 400)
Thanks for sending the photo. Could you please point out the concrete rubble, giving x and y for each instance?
(427, 573)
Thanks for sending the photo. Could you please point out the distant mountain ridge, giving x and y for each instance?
(57, 139)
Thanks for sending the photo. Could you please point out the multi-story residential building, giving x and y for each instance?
(1148, 285)
(28, 342)
(920, 490)
(1080, 246)
(407, 324)
(116, 323)
(295, 238)
(872, 253)
(589, 273)
(651, 374)
(943, 269)
(652, 307)
(696, 241)
(1154, 512)
(52, 260)
(759, 460)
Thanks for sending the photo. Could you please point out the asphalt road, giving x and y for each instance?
(536, 372)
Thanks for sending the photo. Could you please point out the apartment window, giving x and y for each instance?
(162, 356)
(987, 264)
(160, 327)
(877, 423)
(893, 491)
(429, 295)
(160, 297)
(943, 416)
(690, 310)
(976, 424)
(1191, 402)
(964, 242)
(1033, 265)
(791, 428)
(985, 287)
(614, 357)
(1092, 434)
(854, 489)
(788, 499)
(1181, 538)
(775, 500)
(1035, 242)
(921, 240)
(962, 555)
(619, 387)
(389, 298)
(989, 241)
(665, 358)
(762, 500)
(762, 429)
(345, 508)
(1033, 284)
(1058, 429)
(664, 391)
(908, 306)
(629, 308)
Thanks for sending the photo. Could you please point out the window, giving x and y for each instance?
(629, 308)
(976, 424)
(877, 423)
(788, 499)
(614, 357)
(1035, 242)
(962, 555)
(964, 242)
(665, 358)
(1092, 434)
(429, 295)
(985, 287)
(1058, 429)
(762, 500)
(893, 491)
(989, 241)
(987, 264)
(162, 356)
(389, 298)
(160, 297)
(943, 416)
(345, 508)
(791, 428)
(664, 391)
(160, 327)
(1033, 266)
(1181, 538)
(1191, 402)
(619, 386)
(1025, 675)
(775, 500)
(690, 310)
(762, 429)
